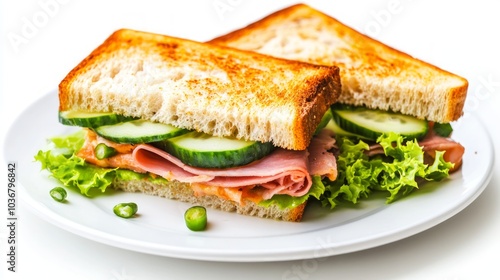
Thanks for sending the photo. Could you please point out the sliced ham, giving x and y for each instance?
(281, 172)
(123, 159)
(431, 143)
(454, 151)
(322, 162)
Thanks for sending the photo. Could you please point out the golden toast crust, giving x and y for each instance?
(210, 88)
(372, 73)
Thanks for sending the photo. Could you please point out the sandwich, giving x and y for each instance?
(200, 123)
(382, 88)
(275, 84)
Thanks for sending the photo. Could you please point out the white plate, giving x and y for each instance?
(160, 228)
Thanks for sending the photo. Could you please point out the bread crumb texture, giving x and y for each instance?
(372, 73)
(208, 88)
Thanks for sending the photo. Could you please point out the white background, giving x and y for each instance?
(41, 43)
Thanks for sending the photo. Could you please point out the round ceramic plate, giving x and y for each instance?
(160, 229)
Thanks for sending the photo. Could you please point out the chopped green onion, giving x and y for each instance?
(59, 194)
(125, 210)
(103, 151)
(196, 218)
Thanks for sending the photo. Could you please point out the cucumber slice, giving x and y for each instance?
(333, 126)
(92, 120)
(324, 121)
(203, 150)
(373, 123)
(139, 131)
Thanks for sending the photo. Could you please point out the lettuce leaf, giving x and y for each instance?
(73, 171)
(397, 172)
(60, 160)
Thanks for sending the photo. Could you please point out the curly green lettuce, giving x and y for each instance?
(73, 171)
(397, 172)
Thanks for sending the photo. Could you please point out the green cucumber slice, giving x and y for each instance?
(333, 126)
(138, 131)
(92, 120)
(372, 123)
(202, 150)
(324, 121)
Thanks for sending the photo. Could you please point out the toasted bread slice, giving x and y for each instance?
(183, 192)
(372, 73)
(209, 88)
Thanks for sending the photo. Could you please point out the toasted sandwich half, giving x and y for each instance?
(372, 74)
(205, 124)
(389, 99)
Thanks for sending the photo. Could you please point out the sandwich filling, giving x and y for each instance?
(338, 166)
(281, 172)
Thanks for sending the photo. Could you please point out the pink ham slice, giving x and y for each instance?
(282, 172)
(454, 151)
(321, 161)
(432, 142)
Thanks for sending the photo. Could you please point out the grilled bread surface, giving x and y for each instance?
(372, 73)
(204, 87)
